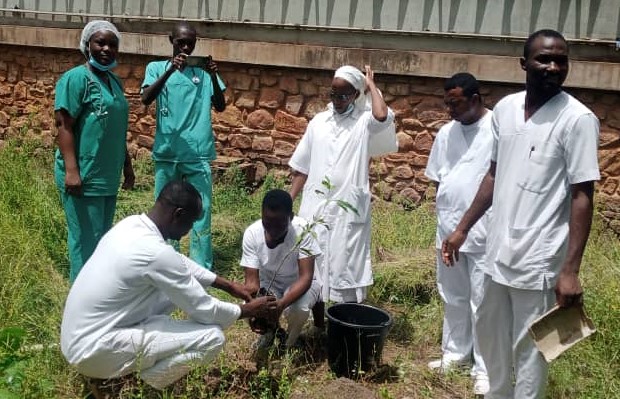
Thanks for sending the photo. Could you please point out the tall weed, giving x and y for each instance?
(32, 262)
(29, 198)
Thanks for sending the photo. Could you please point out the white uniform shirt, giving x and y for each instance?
(537, 161)
(337, 147)
(130, 273)
(459, 159)
(256, 254)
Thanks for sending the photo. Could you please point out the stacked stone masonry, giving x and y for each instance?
(268, 110)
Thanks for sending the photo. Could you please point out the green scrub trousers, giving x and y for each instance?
(198, 174)
(88, 219)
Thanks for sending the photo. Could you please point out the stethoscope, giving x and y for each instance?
(100, 108)
(195, 79)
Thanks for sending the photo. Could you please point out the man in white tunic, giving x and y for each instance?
(541, 184)
(336, 146)
(279, 255)
(116, 319)
(459, 159)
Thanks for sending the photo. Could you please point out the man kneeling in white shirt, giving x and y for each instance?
(116, 319)
(274, 260)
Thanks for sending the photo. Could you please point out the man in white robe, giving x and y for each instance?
(336, 148)
(116, 319)
(459, 159)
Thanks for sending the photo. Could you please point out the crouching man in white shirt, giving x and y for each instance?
(278, 257)
(116, 319)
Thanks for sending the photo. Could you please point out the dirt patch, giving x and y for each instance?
(341, 387)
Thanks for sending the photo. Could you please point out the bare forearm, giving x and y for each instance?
(66, 145)
(222, 284)
(127, 164)
(379, 107)
(296, 291)
(150, 93)
(299, 180)
(252, 280)
(579, 225)
(218, 100)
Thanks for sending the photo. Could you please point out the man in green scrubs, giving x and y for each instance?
(184, 142)
(91, 115)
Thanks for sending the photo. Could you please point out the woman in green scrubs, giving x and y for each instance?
(91, 116)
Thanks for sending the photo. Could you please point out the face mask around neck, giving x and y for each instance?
(346, 111)
(97, 65)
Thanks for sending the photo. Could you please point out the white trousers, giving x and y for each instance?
(460, 288)
(160, 350)
(502, 327)
(298, 312)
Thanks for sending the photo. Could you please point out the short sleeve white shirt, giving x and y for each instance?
(257, 255)
(459, 159)
(537, 161)
(124, 281)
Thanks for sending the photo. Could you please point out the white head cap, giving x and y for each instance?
(357, 79)
(93, 27)
(352, 75)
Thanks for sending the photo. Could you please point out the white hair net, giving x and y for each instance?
(93, 27)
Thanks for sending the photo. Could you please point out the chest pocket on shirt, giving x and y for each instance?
(543, 161)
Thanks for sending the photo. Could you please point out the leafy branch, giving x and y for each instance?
(318, 219)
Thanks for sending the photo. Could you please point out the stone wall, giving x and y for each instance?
(268, 110)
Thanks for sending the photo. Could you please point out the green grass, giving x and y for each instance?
(32, 263)
(33, 286)
(592, 369)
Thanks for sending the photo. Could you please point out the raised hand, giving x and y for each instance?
(370, 77)
(211, 66)
(179, 61)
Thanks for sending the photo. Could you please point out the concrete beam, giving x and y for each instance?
(348, 37)
(493, 68)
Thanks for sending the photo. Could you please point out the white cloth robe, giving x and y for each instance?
(116, 315)
(337, 147)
